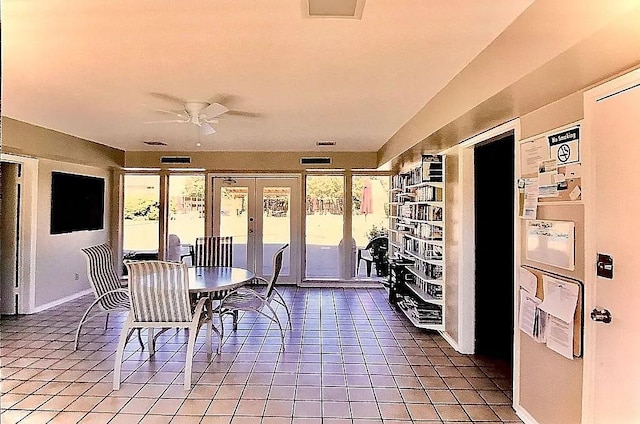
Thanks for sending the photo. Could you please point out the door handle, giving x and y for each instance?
(601, 315)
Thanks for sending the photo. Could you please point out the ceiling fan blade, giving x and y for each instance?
(181, 121)
(208, 120)
(180, 113)
(245, 114)
(168, 97)
(206, 128)
(223, 99)
(215, 109)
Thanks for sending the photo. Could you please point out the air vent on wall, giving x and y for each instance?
(315, 161)
(175, 159)
(154, 143)
(325, 143)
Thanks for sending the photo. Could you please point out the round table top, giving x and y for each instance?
(211, 279)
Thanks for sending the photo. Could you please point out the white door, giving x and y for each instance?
(262, 214)
(612, 358)
(9, 224)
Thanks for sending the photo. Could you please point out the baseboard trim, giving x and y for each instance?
(60, 301)
(450, 340)
(524, 415)
(341, 284)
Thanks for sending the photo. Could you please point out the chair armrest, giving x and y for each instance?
(197, 311)
(243, 290)
(123, 290)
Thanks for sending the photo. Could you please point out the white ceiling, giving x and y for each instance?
(99, 69)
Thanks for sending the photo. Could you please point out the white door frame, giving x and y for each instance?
(466, 235)
(256, 185)
(616, 85)
(27, 231)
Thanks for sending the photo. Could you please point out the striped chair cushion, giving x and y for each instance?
(159, 291)
(103, 277)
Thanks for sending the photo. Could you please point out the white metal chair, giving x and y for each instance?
(214, 251)
(254, 300)
(276, 296)
(111, 295)
(159, 294)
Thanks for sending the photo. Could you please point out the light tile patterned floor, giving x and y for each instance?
(350, 358)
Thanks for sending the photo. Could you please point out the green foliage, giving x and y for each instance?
(374, 232)
(194, 187)
(142, 209)
(325, 187)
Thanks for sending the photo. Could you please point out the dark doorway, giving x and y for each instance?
(494, 215)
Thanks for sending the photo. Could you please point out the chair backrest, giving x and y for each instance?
(102, 274)
(378, 245)
(159, 291)
(214, 251)
(277, 267)
(173, 248)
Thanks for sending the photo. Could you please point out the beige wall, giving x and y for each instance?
(554, 49)
(58, 257)
(25, 139)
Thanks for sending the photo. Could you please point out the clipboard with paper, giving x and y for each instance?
(553, 314)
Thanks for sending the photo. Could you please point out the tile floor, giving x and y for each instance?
(350, 358)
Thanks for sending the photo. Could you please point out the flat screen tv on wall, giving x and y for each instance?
(77, 203)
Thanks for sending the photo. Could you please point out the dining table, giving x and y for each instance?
(216, 282)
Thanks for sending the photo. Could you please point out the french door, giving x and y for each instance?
(261, 214)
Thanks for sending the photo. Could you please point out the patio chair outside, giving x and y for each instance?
(250, 299)
(159, 294)
(374, 253)
(110, 294)
(214, 251)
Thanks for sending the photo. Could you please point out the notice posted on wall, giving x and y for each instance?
(531, 154)
(560, 302)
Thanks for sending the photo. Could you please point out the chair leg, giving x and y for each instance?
(221, 332)
(193, 332)
(369, 269)
(140, 340)
(106, 322)
(82, 321)
(209, 325)
(286, 308)
(277, 321)
(235, 320)
(151, 342)
(124, 336)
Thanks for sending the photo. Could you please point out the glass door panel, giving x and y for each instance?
(370, 212)
(141, 216)
(276, 225)
(325, 220)
(186, 214)
(232, 201)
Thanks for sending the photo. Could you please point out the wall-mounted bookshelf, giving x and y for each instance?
(416, 242)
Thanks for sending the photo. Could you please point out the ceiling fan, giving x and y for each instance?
(200, 113)
(194, 112)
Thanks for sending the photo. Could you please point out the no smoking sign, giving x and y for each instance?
(565, 146)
